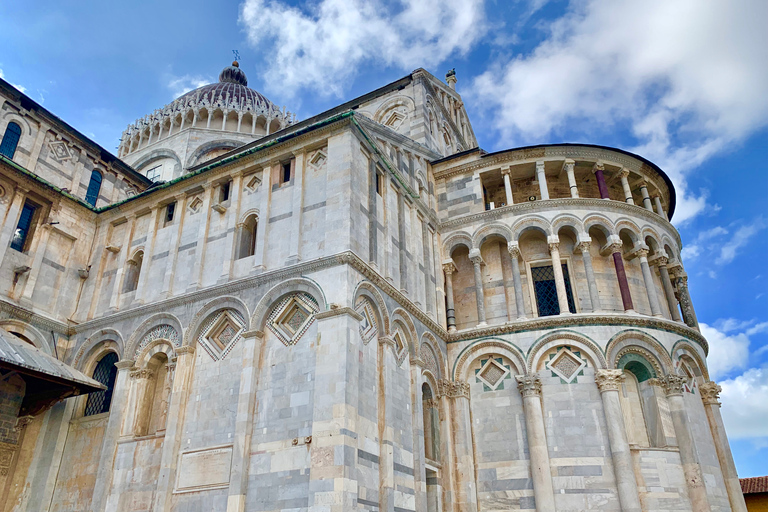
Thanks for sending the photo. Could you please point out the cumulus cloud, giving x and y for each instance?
(323, 45)
(179, 85)
(744, 409)
(714, 241)
(727, 352)
(686, 78)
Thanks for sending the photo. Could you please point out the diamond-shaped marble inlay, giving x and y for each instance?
(367, 326)
(291, 317)
(297, 318)
(492, 373)
(59, 150)
(221, 333)
(566, 364)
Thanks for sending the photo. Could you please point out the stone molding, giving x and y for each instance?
(529, 385)
(594, 205)
(710, 393)
(125, 364)
(338, 311)
(609, 380)
(452, 389)
(672, 384)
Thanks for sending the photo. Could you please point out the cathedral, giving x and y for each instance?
(362, 310)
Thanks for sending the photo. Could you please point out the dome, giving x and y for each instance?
(232, 87)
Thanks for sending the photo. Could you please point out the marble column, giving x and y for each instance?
(686, 304)
(541, 473)
(673, 387)
(646, 198)
(609, 382)
(562, 296)
(514, 254)
(650, 286)
(253, 342)
(666, 283)
(568, 166)
(507, 185)
(463, 446)
(12, 215)
(419, 433)
(449, 268)
(599, 171)
(624, 175)
(594, 296)
(621, 275)
(477, 261)
(710, 392)
(174, 427)
(659, 208)
(542, 179)
(104, 473)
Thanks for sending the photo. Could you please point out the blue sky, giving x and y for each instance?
(682, 82)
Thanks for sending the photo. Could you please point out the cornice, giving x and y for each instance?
(35, 319)
(554, 322)
(594, 205)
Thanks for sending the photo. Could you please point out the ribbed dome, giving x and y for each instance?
(231, 87)
(233, 74)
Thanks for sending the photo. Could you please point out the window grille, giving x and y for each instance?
(105, 372)
(93, 188)
(10, 140)
(546, 290)
(21, 234)
(154, 173)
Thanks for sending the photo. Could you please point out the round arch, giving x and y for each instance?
(100, 341)
(490, 346)
(399, 315)
(641, 343)
(567, 220)
(686, 348)
(201, 150)
(489, 230)
(528, 223)
(564, 337)
(369, 290)
(155, 155)
(156, 320)
(455, 240)
(429, 348)
(293, 285)
(152, 348)
(28, 331)
(210, 307)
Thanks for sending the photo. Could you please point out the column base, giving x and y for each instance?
(482, 324)
(452, 328)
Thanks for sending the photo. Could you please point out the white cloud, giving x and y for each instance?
(745, 409)
(183, 84)
(726, 352)
(19, 87)
(687, 78)
(740, 238)
(323, 46)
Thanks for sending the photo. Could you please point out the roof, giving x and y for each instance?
(29, 104)
(28, 359)
(754, 485)
(667, 181)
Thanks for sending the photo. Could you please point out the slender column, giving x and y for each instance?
(609, 382)
(686, 304)
(514, 254)
(386, 362)
(710, 392)
(464, 467)
(233, 217)
(621, 275)
(594, 296)
(673, 387)
(419, 436)
(149, 251)
(659, 209)
(541, 473)
(568, 166)
(12, 215)
(599, 171)
(650, 286)
(646, 197)
(542, 179)
(562, 296)
(624, 175)
(401, 242)
(246, 399)
(224, 120)
(173, 256)
(477, 261)
(666, 283)
(507, 185)
(196, 274)
(109, 443)
(210, 116)
(174, 427)
(428, 285)
(37, 250)
(299, 163)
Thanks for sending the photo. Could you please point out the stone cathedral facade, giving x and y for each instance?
(363, 310)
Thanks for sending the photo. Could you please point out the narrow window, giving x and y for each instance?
(379, 183)
(105, 372)
(10, 140)
(248, 237)
(225, 191)
(93, 188)
(546, 290)
(132, 272)
(285, 173)
(152, 406)
(170, 209)
(21, 236)
(154, 173)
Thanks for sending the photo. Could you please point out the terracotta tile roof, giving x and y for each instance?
(754, 485)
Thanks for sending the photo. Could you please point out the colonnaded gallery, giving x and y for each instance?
(362, 310)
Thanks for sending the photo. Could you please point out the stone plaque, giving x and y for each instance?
(207, 468)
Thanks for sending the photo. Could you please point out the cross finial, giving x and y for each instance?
(237, 54)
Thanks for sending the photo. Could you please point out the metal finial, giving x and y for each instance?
(237, 54)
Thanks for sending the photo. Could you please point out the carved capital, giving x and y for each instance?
(143, 373)
(583, 247)
(185, 349)
(614, 247)
(654, 381)
(452, 389)
(640, 253)
(673, 384)
(476, 259)
(125, 364)
(540, 166)
(568, 165)
(659, 261)
(529, 385)
(710, 393)
(514, 249)
(598, 167)
(623, 173)
(609, 380)
(429, 404)
(554, 246)
(449, 267)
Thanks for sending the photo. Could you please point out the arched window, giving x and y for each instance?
(105, 372)
(248, 237)
(431, 424)
(132, 272)
(10, 140)
(93, 188)
(640, 403)
(154, 392)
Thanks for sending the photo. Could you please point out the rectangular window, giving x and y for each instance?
(154, 173)
(23, 229)
(285, 173)
(169, 211)
(225, 191)
(379, 183)
(546, 290)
